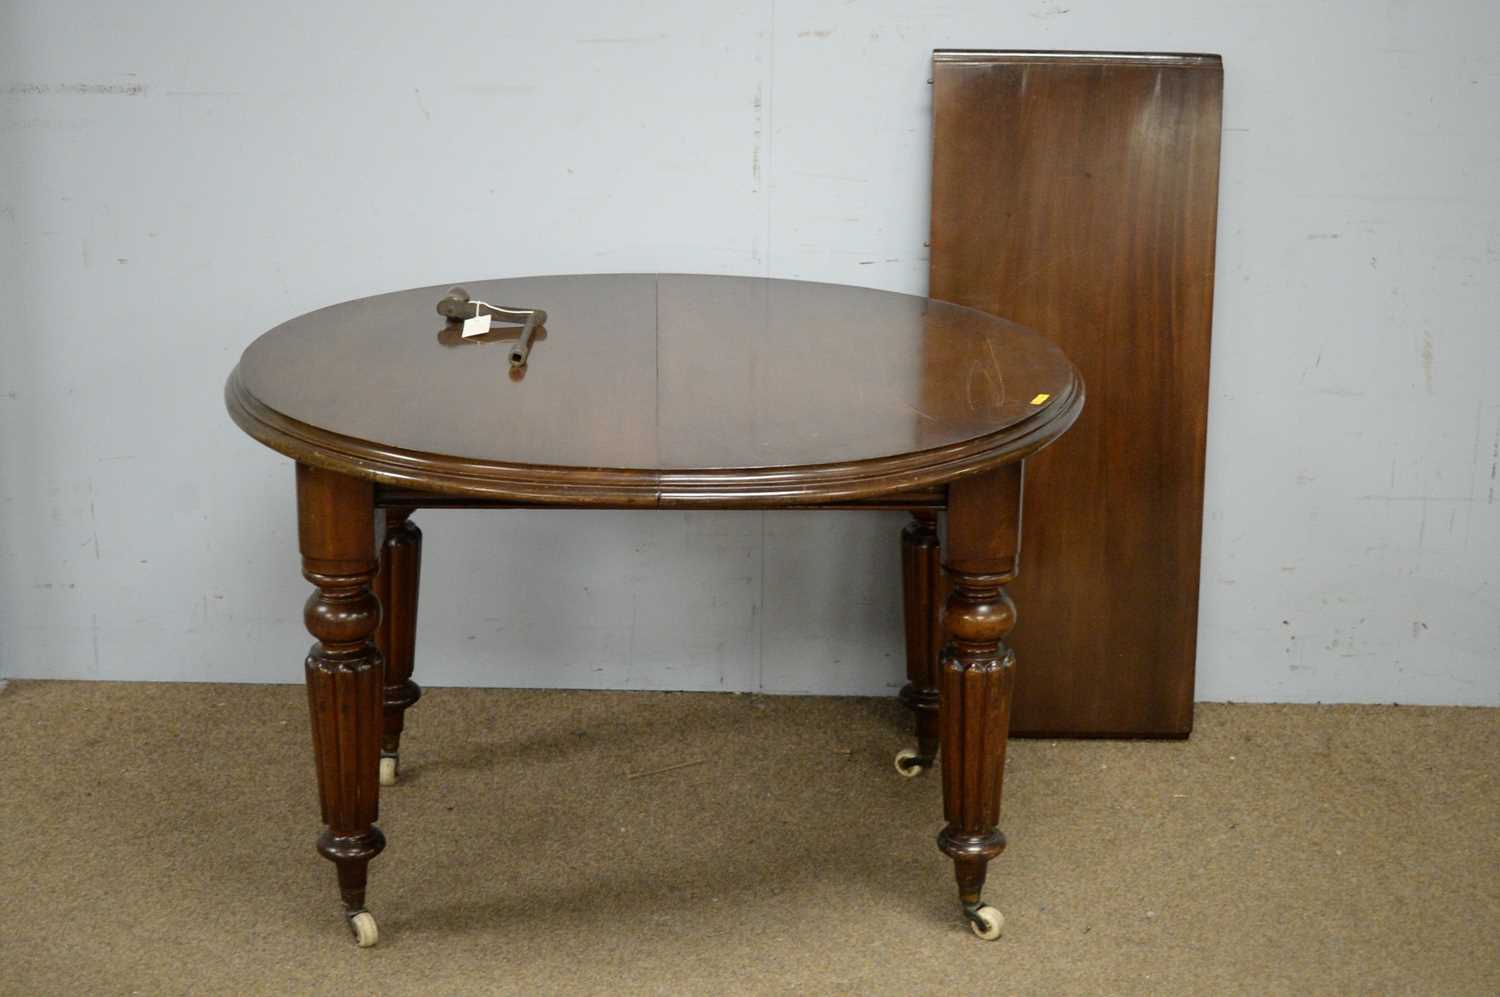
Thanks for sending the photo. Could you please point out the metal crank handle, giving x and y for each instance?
(458, 306)
(522, 348)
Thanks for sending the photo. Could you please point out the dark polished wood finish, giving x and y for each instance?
(922, 591)
(1077, 193)
(336, 531)
(396, 586)
(977, 672)
(659, 391)
(654, 391)
(933, 499)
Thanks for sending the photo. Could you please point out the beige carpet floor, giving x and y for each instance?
(158, 839)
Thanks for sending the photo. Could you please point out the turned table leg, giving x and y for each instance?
(922, 590)
(396, 587)
(336, 532)
(977, 674)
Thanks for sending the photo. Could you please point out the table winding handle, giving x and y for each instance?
(457, 306)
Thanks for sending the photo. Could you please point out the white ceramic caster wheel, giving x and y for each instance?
(387, 770)
(986, 922)
(363, 926)
(907, 764)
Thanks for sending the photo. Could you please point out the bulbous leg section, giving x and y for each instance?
(976, 676)
(345, 675)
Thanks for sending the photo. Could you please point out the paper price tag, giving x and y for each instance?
(476, 326)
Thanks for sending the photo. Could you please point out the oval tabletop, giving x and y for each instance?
(645, 389)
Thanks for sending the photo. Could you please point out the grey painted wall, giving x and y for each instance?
(177, 177)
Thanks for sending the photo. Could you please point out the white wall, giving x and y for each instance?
(177, 177)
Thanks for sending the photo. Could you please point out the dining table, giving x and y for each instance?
(655, 391)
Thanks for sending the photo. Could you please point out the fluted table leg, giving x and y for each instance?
(396, 586)
(336, 531)
(922, 590)
(981, 548)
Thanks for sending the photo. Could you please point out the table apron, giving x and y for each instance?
(387, 497)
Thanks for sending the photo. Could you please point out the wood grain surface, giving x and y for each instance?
(1077, 193)
(647, 390)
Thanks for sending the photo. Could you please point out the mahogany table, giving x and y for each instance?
(657, 391)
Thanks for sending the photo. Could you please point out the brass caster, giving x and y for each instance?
(388, 767)
(362, 923)
(984, 920)
(911, 764)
